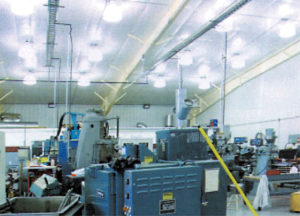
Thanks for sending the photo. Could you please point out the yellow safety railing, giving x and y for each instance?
(212, 147)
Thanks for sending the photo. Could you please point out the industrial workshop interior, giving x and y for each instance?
(150, 107)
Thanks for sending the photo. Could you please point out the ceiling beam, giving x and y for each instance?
(6, 95)
(270, 62)
(175, 9)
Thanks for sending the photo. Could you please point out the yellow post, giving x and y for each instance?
(212, 147)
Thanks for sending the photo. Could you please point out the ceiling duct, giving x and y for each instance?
(52, 9)
(210, 25)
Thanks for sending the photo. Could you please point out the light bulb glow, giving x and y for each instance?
(84, 65)
(237, 62)
(30, 62)
(221, 4)
(26, 51)
(185, 58)
(22, 7)
(27, 27)
(159, 83)
(287, 30)
(284, 10)
(203, 83)
(237, 44)
(184, 36)
(29, 79)
(161, 67)
(203, 69)
(83, 81)
(112, 13)
(95, 54)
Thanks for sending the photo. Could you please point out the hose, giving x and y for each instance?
(60, 125)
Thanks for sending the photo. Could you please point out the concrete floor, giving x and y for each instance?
(280, 205)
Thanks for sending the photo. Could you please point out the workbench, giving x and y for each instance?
(274, 181)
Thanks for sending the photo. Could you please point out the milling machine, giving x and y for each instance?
(95, 145)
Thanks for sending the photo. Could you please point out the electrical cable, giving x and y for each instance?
(60, 125)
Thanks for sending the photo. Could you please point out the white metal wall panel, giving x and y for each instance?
(272, 100)
(129, 114)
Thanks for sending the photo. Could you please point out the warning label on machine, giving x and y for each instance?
(167, 206)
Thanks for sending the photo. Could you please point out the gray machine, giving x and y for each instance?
(265, 153)
(95, 145)
(170, 188)
(45, 185)
(181, 144)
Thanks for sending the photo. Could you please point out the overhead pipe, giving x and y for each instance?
(55, 90)
(55, 80)
(92, 82)
(70, 66)
(213, 23)
(222, 116)
(51, 32)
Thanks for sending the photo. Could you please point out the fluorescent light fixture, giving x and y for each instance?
(159, 83)
(287, 30)
(22, 7)
(204, 83)
(83, 81)
(29, 79)
(203, 69)
(284, 10)
(161, 67)
(112, 13)
(185, 58)
(237, 61)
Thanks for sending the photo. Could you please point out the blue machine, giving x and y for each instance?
(170, 188)
(181, 144)
(256, 142)
(140, 151)
(265, 153)
(240, 140)
(67, 144)
(183, 183)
